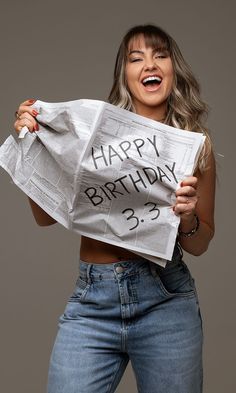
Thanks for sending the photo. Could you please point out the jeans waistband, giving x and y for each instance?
(99, 271)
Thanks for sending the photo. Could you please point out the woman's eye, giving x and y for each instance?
(160, 56)
(135, 60)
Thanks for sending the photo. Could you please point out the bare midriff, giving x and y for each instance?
(95, 251)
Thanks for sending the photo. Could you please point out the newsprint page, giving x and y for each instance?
(105, 172)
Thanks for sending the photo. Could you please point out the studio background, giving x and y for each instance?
(60, 51)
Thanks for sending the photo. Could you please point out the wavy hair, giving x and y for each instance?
(185, 108)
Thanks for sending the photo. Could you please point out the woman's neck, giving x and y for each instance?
(157, 114)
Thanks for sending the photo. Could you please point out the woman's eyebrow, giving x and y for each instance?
(142, 53)
(136, 51)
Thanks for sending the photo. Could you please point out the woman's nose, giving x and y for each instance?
(150, 64)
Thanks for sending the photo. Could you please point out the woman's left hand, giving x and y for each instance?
(186, 198)
(196, 196)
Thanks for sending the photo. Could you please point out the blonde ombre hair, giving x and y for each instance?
(185, 108)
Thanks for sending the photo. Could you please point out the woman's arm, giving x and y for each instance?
(197, 196)
(41, 217)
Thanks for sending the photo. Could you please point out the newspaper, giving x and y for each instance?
(105, 173)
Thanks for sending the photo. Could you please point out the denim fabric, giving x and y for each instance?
(130, 310)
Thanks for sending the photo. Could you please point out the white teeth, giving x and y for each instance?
(152, 78)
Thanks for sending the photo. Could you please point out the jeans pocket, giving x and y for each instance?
(80, 291)
(73, 308)
(175, 280)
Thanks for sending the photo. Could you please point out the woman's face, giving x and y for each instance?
(149, 76)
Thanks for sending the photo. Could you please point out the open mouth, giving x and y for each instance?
(152, 82)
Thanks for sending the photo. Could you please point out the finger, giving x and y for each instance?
(184, 208)
(186, 191)
(28, 102)
(185, 205)
(183, 199)
(31, 119)
(189, 181)
(27, 109)
(19, 124)
(28, 116)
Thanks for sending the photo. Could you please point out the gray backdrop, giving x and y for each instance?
(59, 51)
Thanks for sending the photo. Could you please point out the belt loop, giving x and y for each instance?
(88, 272)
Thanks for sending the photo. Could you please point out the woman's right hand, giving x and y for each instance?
(26, 117)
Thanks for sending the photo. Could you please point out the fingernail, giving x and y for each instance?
(36, 127)
(35, 113)
(32, 101)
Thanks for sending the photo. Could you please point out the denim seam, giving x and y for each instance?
(176, 294)
(159, 283)
(77, 299)
(102, 276)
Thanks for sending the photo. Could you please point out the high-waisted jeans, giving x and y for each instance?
(130, 310)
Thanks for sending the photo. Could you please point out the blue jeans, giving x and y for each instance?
(130, 310)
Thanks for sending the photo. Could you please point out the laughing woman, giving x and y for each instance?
(125, 307)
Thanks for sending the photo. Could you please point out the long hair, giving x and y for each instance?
(185, 108)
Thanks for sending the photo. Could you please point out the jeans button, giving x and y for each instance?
(119, 269)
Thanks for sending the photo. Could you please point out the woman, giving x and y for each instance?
(125, 307)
